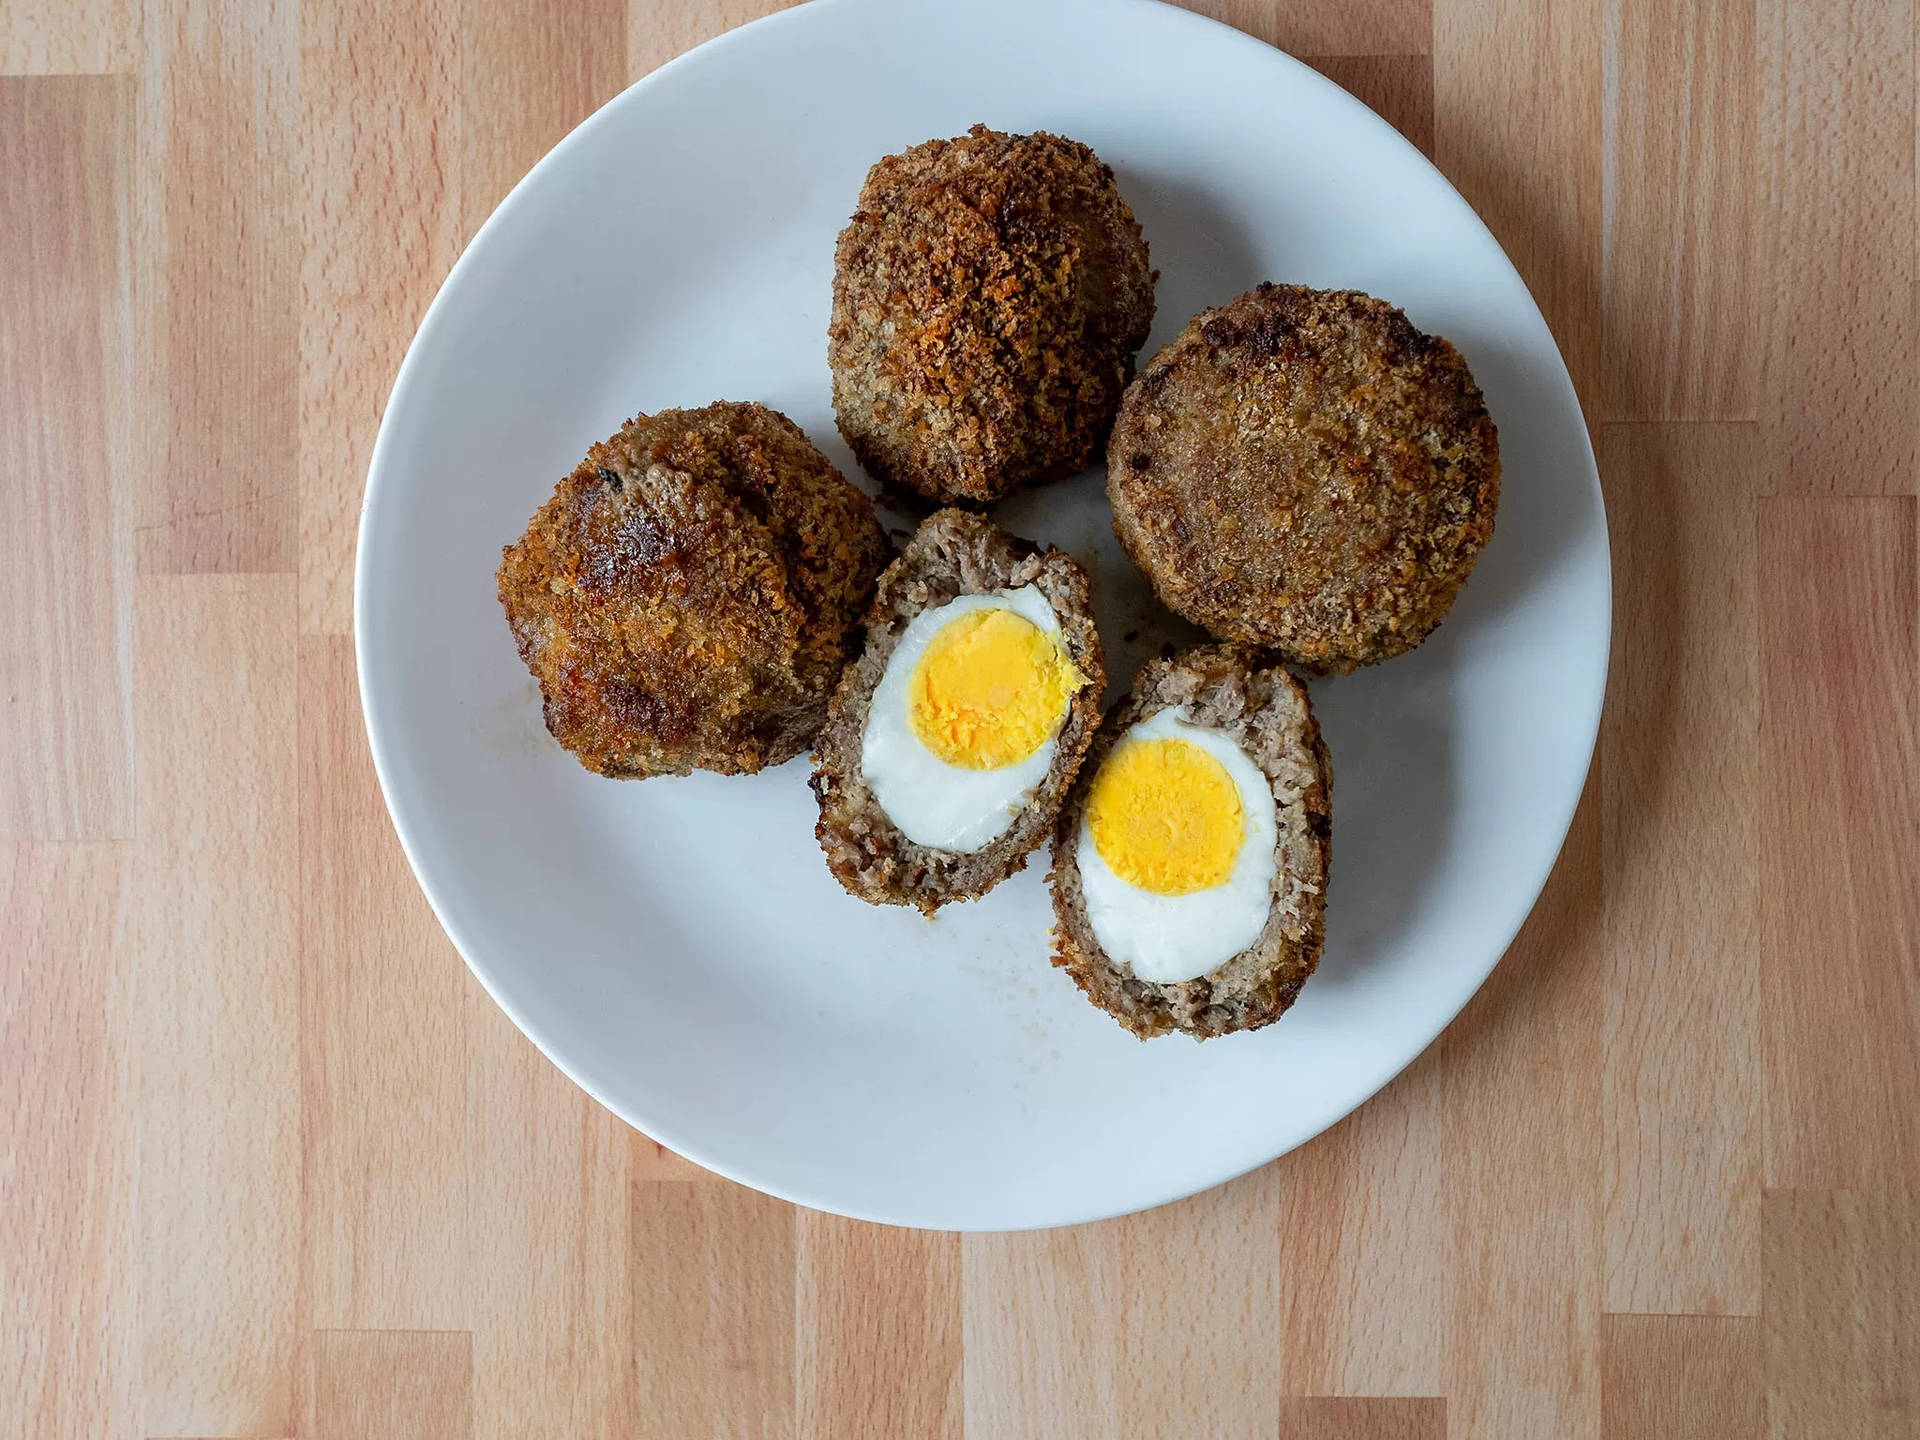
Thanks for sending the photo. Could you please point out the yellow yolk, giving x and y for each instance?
(1165, 816)
(990, 690)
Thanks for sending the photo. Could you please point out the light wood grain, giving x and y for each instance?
(1159, 1324)
(1842, 1314)
(1843, 385)
(1686, 211)
(1671, 1377)
(70, 1365)
(658, 30)
(383, 1030)
(877, 1323)
(216, 287)
(391, 1385)
(1039, 1343)
(541, 69)
(1517, 126)
(714, 1295)
(1199, 1286)
(380, 226)
(1680, 781)
(216, 989)
(1378, 1419)
(1366, 27)
(258, 1114)
(1840, 938)
(1364, 1248)
(67, 37)
(1524, 1166)
(67, 766)
(551, 1286)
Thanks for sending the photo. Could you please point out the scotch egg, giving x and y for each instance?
(1190, 863)
(951, 743)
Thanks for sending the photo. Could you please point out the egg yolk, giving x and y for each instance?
(1165, 816)
(990, 690)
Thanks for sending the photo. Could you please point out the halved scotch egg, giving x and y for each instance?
(951, 742)
(1190, 862)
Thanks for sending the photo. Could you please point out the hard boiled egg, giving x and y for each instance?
(964, 723)
(1177, 849)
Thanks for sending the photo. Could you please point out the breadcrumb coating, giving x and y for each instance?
(689, 595)
(1303, 469)
(989, 295)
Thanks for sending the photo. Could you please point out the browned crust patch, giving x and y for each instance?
(688, 596)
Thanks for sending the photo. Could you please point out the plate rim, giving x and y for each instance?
(379, 481)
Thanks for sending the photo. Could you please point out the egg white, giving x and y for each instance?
(1169, 938)
(942, 806)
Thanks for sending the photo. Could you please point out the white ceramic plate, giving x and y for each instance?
(677, 946)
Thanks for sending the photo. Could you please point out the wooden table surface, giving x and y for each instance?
(273, 1164)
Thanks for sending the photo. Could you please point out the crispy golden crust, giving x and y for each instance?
(1303, 469)
(1266, 711)
(953, 553)
(988, 297)
(688, 596)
